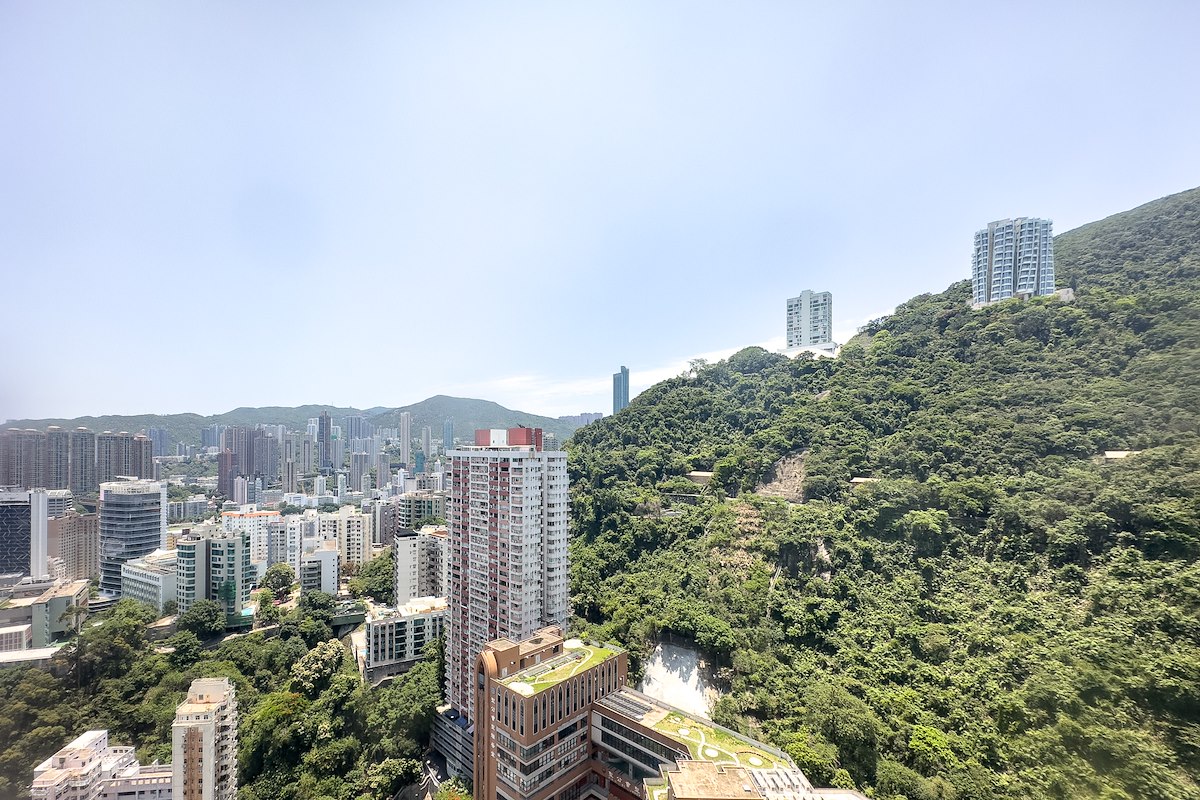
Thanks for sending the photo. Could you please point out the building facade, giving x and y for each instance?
(83, 462)
(150, 579)
(58, 458)
(557, 722)
(396, 638)
(88, 768)
(74, 540)
(507, 556)
(1012, 258)
(422, 563)
(133, 523)
(620, 389)
(351, 529)
(215, 566)
(24, 524)
(810, 319)
(256, 524)
(319, 569)
(204, 742)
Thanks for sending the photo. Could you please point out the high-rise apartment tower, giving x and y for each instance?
(810, 319)
(1012, 257)
(507, 549)
(620, 389)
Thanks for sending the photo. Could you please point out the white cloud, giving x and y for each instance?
(552, 397)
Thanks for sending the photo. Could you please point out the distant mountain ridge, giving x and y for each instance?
(467, 413)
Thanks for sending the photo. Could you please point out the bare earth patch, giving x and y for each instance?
(786, 480)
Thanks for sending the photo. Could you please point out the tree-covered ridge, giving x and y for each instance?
(1000, 614)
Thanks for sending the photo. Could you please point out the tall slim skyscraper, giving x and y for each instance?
(810, 319)
(226, 472)
(620, 389)
(133, 522)
(508, 547)
(325, 441)
(447, 436)
(355, 426)
(427, 442)
(1012, 257)
(406, 440)
(58, 458)
(160, 439)
(83, 462)
(141, 457)
(204, 742)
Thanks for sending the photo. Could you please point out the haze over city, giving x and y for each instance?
(213, 206)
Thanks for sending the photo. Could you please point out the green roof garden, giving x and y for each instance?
(708, 742)
(577, 657)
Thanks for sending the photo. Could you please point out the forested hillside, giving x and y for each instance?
(1000, 613)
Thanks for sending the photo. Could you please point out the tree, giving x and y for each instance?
(453, 789)
(312, 674)
(205, 619)
(268, 612)
(278, 579)
(187, 649)
(377, 579)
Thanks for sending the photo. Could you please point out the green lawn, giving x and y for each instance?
(703, 739)
(573, 662)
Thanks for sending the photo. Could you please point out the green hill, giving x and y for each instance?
(1001, 612)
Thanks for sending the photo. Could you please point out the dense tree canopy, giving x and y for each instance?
(993, 610)
(304, 711)
(205, 618)
(279, 579)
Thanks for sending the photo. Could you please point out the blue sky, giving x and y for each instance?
(207, 205)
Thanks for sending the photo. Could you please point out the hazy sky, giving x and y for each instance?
(207, 205)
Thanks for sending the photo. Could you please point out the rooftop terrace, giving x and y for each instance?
(704, 740)
(577, 657)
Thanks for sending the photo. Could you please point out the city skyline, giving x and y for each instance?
(680, 165)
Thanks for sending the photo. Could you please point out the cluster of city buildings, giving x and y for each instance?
(77, 460)
(203, 757)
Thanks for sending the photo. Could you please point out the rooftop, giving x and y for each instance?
(577, 657)
(704, 779)
(704, 740)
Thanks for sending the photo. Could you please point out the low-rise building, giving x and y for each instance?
(90, 769)
(396, 637)
(151, 579)
(16, 637)
(54, 610)
(319, 569)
